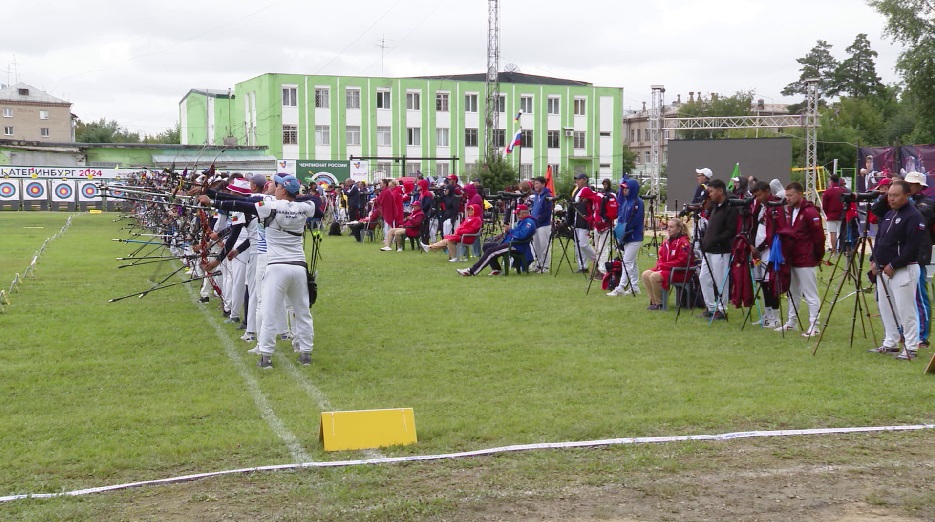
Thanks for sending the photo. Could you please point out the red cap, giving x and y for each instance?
(520, 208)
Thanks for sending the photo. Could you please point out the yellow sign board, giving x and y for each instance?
(94, 211)
(365, 429)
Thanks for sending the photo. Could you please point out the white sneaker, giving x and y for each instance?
(635, 290)
(424, 246)
(386, 249)
(254, 351)
(616, 291)
(786, 327)
(811, 331)
(454, 260)
(399, 249)
(248, 337)
(770, 323)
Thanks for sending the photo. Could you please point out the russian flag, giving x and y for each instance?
(515, 142)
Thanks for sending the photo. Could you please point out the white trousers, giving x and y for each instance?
(714, 272)
(225, 283)
(603, 245)
(286, 283)
(542, 248)
(630, 275)
(584, 252)
(803, 283)
(902, 291)
(253, 286)
(238, 283)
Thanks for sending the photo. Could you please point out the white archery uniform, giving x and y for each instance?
(285, 276)
(255, 307)
(238, 267)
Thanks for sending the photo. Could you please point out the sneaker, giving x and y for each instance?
(464, 271)
(248, 337)
(705, 315)
(399, 249)
(616, 291)
(811, 331)
(454, 260)
(424, 246)
(924, 343)
(285, 336)
(227, 313)
(266, 362)
(305, 358)
(719, 316)
(905, 356)
(494, 273)
(204, 300)
(884, 349)
(242, 326)
(785, 328)
(386, 249)
(254, 351)
(770, 323)
(655, 307)
(232, 319)
(635, 290)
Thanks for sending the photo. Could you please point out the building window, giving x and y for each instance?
(525, 104)
(605, 134)
(499, 138)
(290, 133)
(441, 137)
(384, 169)
(553, 105)
(322, 135)
(605, 165)
(525, 170)
(383, 99)
(43, 115)
(580, 107)
(412, 101)
(470, 103)
(526, 139)
(384, 137)
(44, 132)
(352, 98)
(353, 135)
(414, 136)
(552, 139)
(501, 103)
(632, 134)
(7, 113)
(441, 169)
(23, 92)
(470, 137)
(648, 159)
(441, 101)
(321, 98)
(289, 96)
(638, 132)
(580, 139)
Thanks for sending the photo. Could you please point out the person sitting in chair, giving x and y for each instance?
(523, 231)
(674, 252)
(370, 223)
(410, 227)
(471, 225)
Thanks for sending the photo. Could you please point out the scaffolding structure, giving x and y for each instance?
(491, 112)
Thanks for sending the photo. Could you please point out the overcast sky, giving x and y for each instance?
(134, 61)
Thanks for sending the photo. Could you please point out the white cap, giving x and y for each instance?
(705, 171)
(916, 177)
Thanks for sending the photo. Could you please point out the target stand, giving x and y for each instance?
(10, 194)
(35, 194)
(64, 195)
(89, 196)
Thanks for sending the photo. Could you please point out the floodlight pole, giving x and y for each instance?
(656, 115)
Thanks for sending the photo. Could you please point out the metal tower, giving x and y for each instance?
(811, 138)
(491, 113)
(656, 124)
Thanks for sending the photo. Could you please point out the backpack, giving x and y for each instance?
(608, 208)
(612, 276)
(334, 229)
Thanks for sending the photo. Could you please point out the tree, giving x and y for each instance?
(169, 136)
(818, 63)
(495, 175)
(910, 23)
(737, 105)
(103, 131)
(857, 76)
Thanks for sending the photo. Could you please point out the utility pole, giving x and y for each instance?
(491, 114)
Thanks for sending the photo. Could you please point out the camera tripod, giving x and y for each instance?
(610, 241)
(853, 272)
(653, 245)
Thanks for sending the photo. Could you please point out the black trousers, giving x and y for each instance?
(490, 256)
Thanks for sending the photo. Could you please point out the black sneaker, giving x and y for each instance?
(719, 316)
(204, 300)
(305, 358)
(705, 315)
(266, 362)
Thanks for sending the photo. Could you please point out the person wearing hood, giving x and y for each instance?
(410, 227)
(629, 234)
(803, 238)
(473, 199)
(541, 211)
(427, 203)
(523, 231)
(469, 226)
(451, 202)
(774, 279)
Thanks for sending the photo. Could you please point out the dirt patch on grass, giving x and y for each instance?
(854, 478)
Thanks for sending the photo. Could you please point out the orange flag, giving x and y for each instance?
(548, 180)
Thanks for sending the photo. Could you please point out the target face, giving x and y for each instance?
(89, 190)
(64, 191)
(35, 189)
(116, 193)
(7, 189)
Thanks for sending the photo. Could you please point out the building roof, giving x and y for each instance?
(509, 77)
(33, 95)
(212, 93)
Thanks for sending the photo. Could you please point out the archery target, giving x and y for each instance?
(115, 193)
(35, 190)
(63, 191)
(89, 192)
(9, 190)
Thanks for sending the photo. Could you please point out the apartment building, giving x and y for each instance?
(27, 113)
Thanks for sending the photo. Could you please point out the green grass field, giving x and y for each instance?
(99, 393)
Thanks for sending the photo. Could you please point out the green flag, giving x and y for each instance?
(735, 174)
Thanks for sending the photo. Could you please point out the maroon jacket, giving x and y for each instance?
(831, 203)
(803, 239)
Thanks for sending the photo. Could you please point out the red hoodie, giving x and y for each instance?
(470, 225)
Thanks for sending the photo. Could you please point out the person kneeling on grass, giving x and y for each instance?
(471, 225)
(674, 252)
(524, 229)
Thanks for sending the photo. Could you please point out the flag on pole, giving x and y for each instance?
(515, 142)
(549, 183)
(518, 114)
(735, 174)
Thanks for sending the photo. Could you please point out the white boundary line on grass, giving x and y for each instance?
(490, 451)
(266, 411)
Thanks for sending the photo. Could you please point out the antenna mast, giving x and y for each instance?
(493, 78)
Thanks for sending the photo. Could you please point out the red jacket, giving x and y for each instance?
(673, 253)
(413, 223)
(471, 225)
(387, 206)
(831, 203)
(804, 238)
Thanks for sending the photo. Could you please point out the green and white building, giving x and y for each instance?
(573, 126)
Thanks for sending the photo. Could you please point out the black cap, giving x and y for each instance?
(581, 176)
